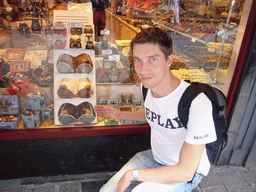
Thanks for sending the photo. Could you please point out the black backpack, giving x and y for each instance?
(219, 113)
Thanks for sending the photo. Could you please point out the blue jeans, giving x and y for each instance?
(145, 160)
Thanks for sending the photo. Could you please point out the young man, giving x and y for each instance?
(177, 159)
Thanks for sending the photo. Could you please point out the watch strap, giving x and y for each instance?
(135, 174)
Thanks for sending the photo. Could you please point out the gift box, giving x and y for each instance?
(9, 121)
(20, 66)
(36, 101)
(47, 114)
(31, 118)
(9, 104)
(9, 112)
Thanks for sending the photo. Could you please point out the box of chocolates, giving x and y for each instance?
(47, 114)
(9, 104)
(9, 112)
(36, 100)
(9, 121)
(31, 118)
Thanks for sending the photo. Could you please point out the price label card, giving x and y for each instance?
(211, 49)
(225, 36)
(105, 32)
(221, 32)
(114, 57)
(107, 65)
(106, 52)
(193, 39)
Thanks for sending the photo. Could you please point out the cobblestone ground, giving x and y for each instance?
(229, 178)
(226, 178)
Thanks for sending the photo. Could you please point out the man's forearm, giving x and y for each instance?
(133, 115)
(168, 174)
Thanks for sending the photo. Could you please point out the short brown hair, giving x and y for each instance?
(154, 35)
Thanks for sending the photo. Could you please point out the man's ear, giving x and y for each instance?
(170, 60)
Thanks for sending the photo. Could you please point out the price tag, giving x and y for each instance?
(78, 25)
(105, 32)
(221, 32)
(193, 39)
(114, 57)
(211, 49)
(106, 64)
(225, 36)
(106, 52)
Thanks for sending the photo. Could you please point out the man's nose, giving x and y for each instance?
(144, 67)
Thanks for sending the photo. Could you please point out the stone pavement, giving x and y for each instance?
(227, 178)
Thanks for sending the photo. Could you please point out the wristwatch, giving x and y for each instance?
(135, 174)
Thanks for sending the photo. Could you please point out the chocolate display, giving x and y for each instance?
(76, 31)
(88, 29)
(45, 80)
(59, 29)
(83, 113)
(84, 87)
(79, 64)
(103, 76)
(58, 42)
(10, 13)
(24, 30)
(31, 118)
(43, 76)
(9, 104)
(88, 37)
(201, 27)
(89, 45)
(75, 43)
(19, 66)
(37, 8)
(47, 114)
(35, 26)
(81, 88)
(36, 101)
(37, 72)
(9, 121)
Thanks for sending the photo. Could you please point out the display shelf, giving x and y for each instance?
(184, 34)
(122, 29)
(74, 101)
(204, 37)
(64, 132)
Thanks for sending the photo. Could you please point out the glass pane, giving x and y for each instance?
(203, 32)
(32, 42)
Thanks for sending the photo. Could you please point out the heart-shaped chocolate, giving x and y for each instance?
(83, 113)
(80, 64)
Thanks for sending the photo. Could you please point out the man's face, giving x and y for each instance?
(151, 65)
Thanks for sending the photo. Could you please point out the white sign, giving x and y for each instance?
(79, 6)
(66, 16)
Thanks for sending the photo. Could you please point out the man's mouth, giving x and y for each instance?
(146, 77)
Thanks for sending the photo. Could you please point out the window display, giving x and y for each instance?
(74, 86)
(52, 61)
(207, 32)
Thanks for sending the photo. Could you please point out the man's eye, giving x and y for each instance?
(137, 60)
(153, 59)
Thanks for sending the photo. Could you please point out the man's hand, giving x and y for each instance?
(110, 111)
(125, 181)
(107, 111)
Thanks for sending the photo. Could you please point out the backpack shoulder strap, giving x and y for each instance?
(185, 102)
(144, 92)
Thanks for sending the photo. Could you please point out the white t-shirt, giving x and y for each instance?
(168, 133)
